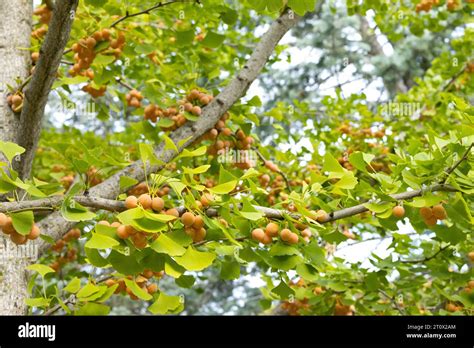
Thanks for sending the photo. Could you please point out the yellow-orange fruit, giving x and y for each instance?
(110, 282)
(3, 219)
(190, 231)
(200, 235)
(115, 224)
(34, 233)
(439, 212)
(130, 230)
(17, 238)
(8, 227)
(152, 288)
(17, 100)
(398, 211)
(122, 232)
(131, 202)
(206, 199)
(147, 273)
(306, 233)
(340, 309)
(285, 235)
(426, 212)
(322, 216)
(293, 239)
(145, 201)
(451, 307)
(258, 234)
(173, 211)
(196, 110)
(272, 229)
(470, 284)
(188, 219)
(139, 240)
(103, 222)
(266, 239)
(198, 222)
(431, 221)
(471, 256)
(157, 204)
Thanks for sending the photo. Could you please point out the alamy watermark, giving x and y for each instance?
(79, 109)
(232, 156)
(401, 109)
(9, 252)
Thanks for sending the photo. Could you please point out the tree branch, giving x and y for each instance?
(118, 206)
(56, 226)
(453, 168)
(427, 258)
(147, 11)
(38, 89)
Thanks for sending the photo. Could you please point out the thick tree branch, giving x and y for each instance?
(38, 89)
(56, 226)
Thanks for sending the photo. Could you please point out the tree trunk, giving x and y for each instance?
(15, 32)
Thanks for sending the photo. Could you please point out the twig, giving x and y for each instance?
(393, 300)
(263, 159)
(453, 168)
(72, 298)
(147, 11)
(427, 258)
(124, 84)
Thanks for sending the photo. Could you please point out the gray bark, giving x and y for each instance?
(15, 32)
(37, 91)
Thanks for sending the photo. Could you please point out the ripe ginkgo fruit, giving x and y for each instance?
(173, 212)
(398, 211)
(188, 219)
(145, 201)
(3, 219)
(258, 234)
(34, 233)
(198, 222)
(18, 238)
(272, 229)
(157, 204)
(439, 212)
(426, 212)
(131, 202)
(152, 288)
(122, 232)
(285, 235)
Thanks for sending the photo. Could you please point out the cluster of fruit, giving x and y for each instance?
(426, 5)
(134, 98)
(192, 105)
(431, 215)
(45, 14)
(15, 101)
(6, 224)
(143, 281)
(70, 254)
(272, 230)
(193, 224)
(67, 181)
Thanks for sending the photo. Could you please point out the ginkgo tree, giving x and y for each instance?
(179, 179)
